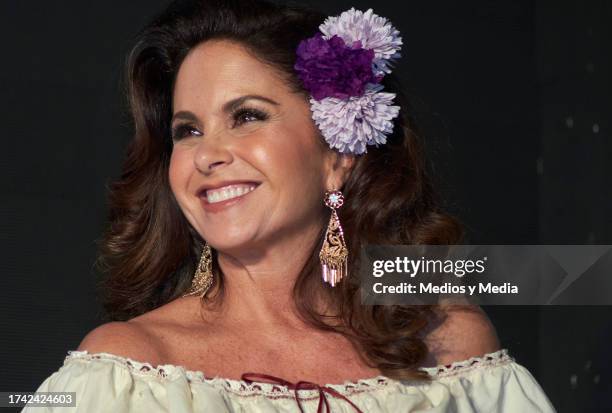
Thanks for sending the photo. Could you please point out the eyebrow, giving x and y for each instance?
(227, 107)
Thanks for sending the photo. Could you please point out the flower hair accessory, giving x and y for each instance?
(342, 68)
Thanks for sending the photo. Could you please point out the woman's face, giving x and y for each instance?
(220, 135)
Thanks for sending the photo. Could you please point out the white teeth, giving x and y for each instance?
(228, 192)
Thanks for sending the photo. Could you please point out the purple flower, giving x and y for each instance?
(330, 68)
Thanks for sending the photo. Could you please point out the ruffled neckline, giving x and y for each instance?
(244, 388)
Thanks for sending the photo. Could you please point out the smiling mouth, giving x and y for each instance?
(227, 193)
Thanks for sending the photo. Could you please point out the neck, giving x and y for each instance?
(259, 281)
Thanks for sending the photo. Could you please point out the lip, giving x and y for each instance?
(219, 206)
(201, 192)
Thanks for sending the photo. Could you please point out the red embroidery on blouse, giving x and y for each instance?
(305, 385)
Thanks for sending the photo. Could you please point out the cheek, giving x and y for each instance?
(297, 163)
(179, 172)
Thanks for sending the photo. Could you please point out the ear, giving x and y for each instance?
(339, 166)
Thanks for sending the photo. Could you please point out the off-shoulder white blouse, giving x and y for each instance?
(105, 382)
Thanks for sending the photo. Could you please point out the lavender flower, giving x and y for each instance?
(373, 31)
(342, 69)
(348, 125)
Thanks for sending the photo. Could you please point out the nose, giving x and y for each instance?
(211, 154)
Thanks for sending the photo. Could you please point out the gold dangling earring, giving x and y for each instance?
(334, 254)
(203, 278)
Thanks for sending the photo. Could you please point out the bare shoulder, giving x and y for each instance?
(142, 338)
(465, 332)
(121, 338)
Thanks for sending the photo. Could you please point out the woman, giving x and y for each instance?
(250, 170)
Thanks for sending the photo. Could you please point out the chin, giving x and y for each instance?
(224, 240)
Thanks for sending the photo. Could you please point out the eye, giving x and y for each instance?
(182, 131)
(243, 115)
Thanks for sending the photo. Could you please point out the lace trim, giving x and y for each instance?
(497, 358)
(242, 388)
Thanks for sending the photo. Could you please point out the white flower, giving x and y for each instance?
(352, 124)
(374, 32)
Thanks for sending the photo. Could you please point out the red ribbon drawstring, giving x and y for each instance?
(302, 385)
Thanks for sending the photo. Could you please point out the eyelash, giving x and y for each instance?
(181, 131)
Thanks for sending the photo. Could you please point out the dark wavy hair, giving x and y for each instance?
(149, 252)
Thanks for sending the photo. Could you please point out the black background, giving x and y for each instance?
(515, 97)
